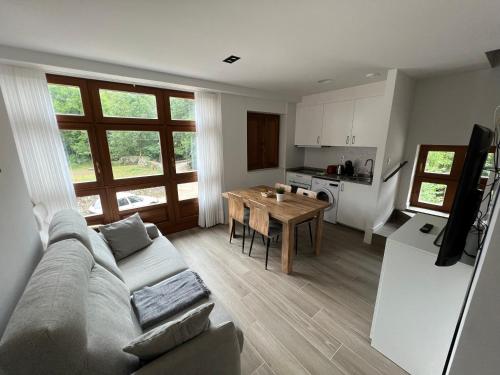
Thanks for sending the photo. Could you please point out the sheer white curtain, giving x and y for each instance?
(209, 158)
(37, 137)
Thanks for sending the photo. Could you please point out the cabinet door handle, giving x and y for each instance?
(317, 140)
(342, 187)
(347, 140)
(353, 139)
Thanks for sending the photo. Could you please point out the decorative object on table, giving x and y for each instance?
(169, 297)
(280, 194)
(268, 194)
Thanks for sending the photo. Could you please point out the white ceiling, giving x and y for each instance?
(286, 46)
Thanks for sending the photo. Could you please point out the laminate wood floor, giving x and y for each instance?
(313, 321)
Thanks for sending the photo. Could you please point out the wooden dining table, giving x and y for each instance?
(293, 210)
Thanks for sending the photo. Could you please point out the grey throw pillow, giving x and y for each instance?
(126, 236)
(169, 335)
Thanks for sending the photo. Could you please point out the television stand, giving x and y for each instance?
(418, 303)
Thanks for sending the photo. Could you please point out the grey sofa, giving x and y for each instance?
(75, 315)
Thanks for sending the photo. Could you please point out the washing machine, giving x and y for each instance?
(328, 191)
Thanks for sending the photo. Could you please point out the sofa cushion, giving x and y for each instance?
(218, 317)
(152, 264)
(152, 230)
(109, 325)
(169, 335)
(214, 352)
(47, 332)
(103, 254)
(68, 224)
(126, 236)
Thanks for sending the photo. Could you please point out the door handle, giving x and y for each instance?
(347, 140)
(317, 140)
(342, 186)
(353, 139)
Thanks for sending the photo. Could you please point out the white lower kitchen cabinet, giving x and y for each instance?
(355, 204)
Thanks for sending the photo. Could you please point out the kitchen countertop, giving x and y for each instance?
(320, 173)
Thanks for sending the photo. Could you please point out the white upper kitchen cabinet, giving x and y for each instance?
(355, 204)
(337, 123)
(309, 125)
(369, 122)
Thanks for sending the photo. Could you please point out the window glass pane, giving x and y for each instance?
(67, 100)
(134, 153)
(188, 190)
(128, 104)
(431, 193)
(185, 151)
(77, 147)
(439, 162)
(131, 199)
(181, 109)
(89, 205)
(489, 165)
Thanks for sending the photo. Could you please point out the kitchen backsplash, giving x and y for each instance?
(322, 157)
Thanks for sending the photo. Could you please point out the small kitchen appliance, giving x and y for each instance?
(331, 169)
(349, 168)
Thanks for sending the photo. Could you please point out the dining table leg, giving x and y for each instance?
(287, 247)
(319, 232)
(231, 224)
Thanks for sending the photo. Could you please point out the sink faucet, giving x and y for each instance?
(371, 167)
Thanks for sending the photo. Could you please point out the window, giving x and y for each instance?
(184, 151)
(262, 140)
(89, 205)
(77, 147)
(181, 108)
(138, 198)
(436, 176)
(123, 104)
(66, 99)
(130, 148)
(134, 153)
(187, 191)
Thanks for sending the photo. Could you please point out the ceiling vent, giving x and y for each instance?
(493, 57)
(231, 59)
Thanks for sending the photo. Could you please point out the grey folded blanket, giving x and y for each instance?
(168, 297)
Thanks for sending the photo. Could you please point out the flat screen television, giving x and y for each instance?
(467, 199)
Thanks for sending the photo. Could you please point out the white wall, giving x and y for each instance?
(21, 247)
(444, 111)
(478, 347)
(234, 133)
(399, 89)
(322, 157)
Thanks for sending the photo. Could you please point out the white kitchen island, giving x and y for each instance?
(418, 303)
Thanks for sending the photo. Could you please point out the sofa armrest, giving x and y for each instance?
(215, 351)
(152, 230)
